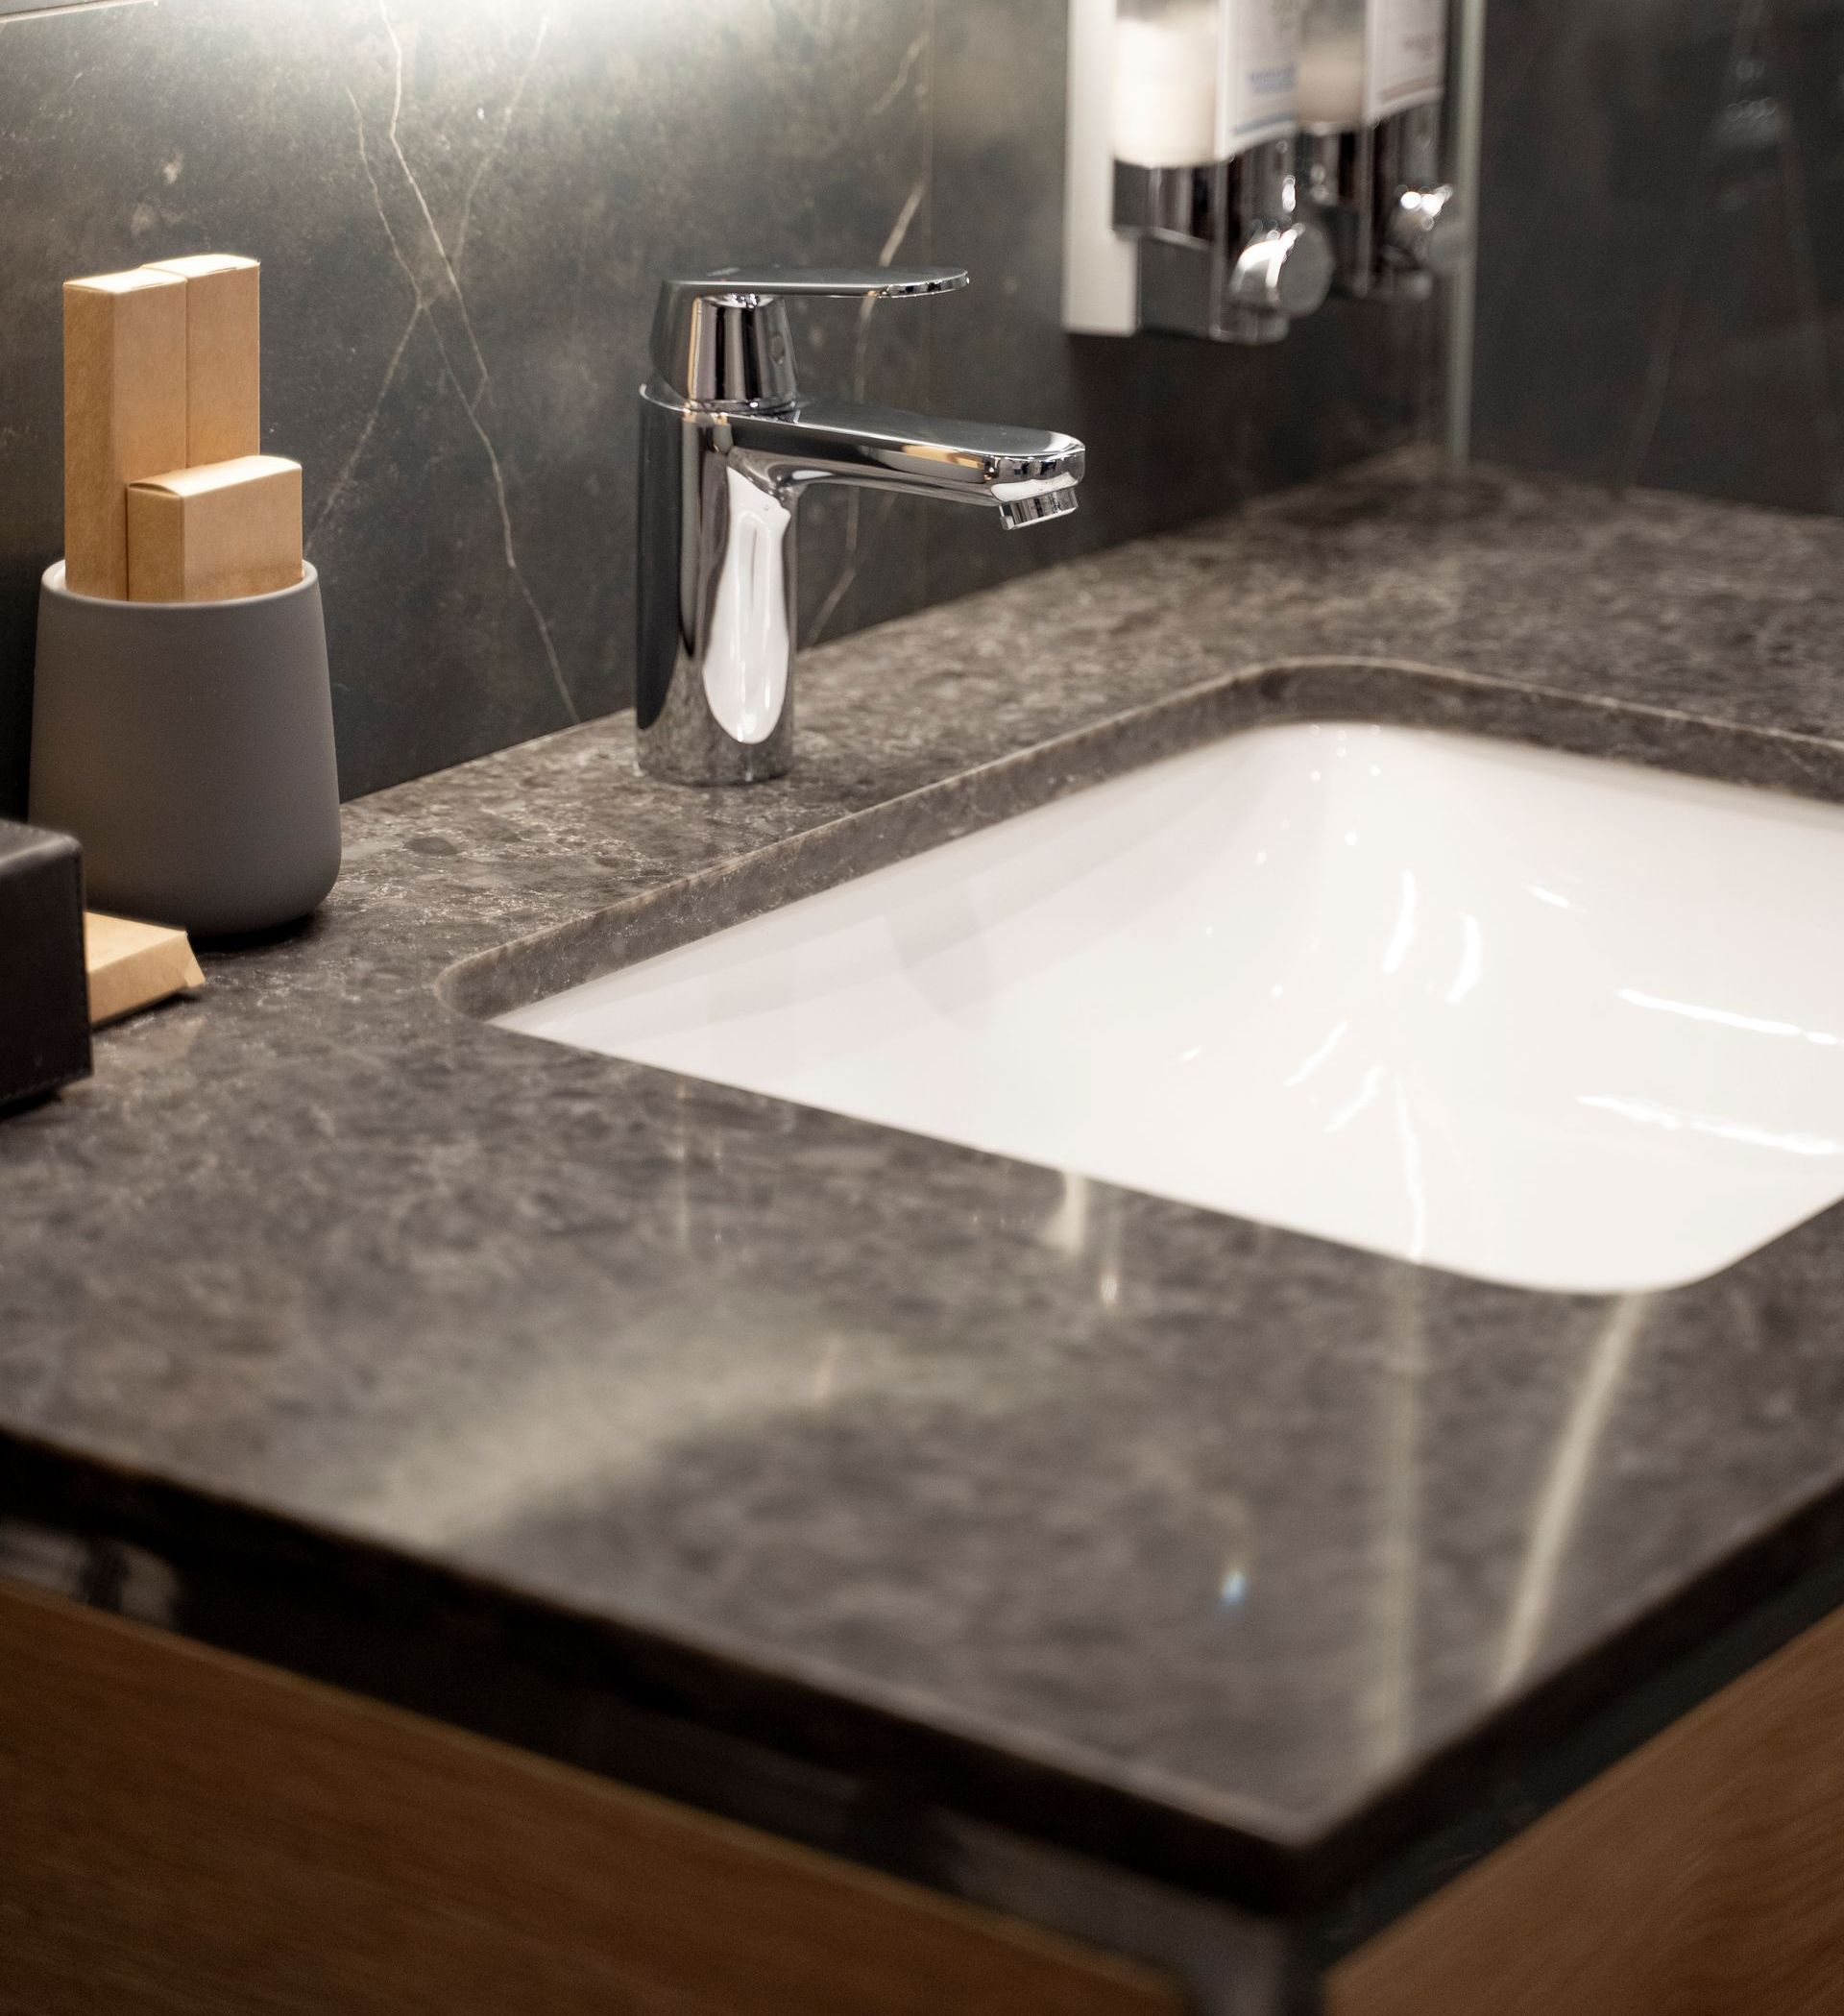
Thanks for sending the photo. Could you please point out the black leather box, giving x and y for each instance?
(44, 994)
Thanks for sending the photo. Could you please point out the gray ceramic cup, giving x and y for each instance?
(190, 747)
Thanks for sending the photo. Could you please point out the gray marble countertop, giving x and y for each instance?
(850, 1447)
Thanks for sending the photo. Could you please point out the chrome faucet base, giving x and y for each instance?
(712, 702)
(683, 748)
(728, 449)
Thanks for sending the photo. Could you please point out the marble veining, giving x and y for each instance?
(1661, 250)
(1175, 1540)
(465, 209)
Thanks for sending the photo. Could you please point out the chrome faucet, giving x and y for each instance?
(728, 445)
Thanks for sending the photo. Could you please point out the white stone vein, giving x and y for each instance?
(341, 483)
(887, 255)
(467, 405)
(50, 8)
(507, 119)
(911, 56)
(861, 371)
(848, 573)
(452, 277)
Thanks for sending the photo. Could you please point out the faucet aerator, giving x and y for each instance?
(1015, 513)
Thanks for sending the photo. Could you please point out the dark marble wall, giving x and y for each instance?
(463, 208)
(1662, 245)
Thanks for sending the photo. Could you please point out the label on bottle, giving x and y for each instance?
(1407, 56)
(1261, 73)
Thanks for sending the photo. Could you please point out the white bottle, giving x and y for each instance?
(1199, 81)
(1332, 65)
(1165, 83)
(1361, 61)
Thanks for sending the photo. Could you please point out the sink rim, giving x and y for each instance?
(521, 971)
(1304, 693)
(934, 996)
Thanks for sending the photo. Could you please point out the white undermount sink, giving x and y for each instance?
(1536, 1018)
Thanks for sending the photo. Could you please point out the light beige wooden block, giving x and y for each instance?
(223, 355)
(132, 965)
(203, 535)
(124, 412)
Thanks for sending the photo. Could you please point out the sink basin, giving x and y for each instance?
(1541, 1019)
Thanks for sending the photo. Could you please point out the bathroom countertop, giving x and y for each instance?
(1229, 1555)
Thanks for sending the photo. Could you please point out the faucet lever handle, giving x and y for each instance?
(881, 283)
(721, 338)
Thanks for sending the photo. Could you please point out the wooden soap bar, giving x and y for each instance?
(203, 535)
(124, 412)
(134, 966)
(224, 356)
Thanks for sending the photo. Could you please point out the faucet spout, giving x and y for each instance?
(1028, 474)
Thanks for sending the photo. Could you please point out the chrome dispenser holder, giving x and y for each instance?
(1396, 225)
(1224, 250)
(1220, 248)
